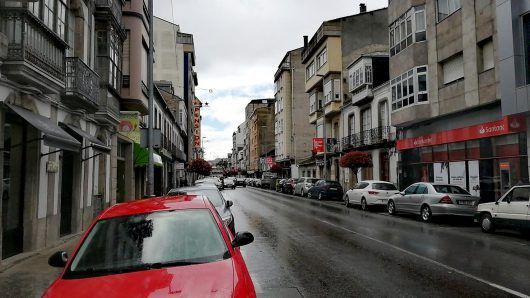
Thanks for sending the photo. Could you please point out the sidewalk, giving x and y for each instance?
(31, 276)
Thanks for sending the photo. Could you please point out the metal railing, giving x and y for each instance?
(372, 137)
(81, 80)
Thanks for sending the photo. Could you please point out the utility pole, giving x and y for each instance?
(150, 61)
(325, 144)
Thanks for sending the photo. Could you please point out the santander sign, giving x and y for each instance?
(507, 125)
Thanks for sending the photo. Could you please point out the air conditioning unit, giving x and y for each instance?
(3, 46)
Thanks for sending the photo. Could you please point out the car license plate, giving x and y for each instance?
(467, 203)
(333, 188)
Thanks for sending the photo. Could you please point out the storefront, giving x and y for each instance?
(486, 159)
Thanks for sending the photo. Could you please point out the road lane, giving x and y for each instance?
(322, 249)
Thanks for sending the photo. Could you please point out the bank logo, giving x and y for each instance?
(482, 130)
(515, 124)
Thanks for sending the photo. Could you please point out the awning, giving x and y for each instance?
(94, 142)
(52, 134)
(141, 157)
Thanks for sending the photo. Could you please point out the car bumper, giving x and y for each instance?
(332, 194)
(451, 209)
(377, 202)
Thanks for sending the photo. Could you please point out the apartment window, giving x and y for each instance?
(409, 88)
(351, 124)
(447, 7)
(322, 58)
(526, 22)
(310, 70)
(328, 92)
(336, 90)
(407, 29)
(145, 62)
(34, 8)
(320, 131)
(61, 19)
(453, 69)
(360, 75)
(48, 14)
(486, 51)
(312, 103)
(383, 114)
(366, 120)
(114, 57)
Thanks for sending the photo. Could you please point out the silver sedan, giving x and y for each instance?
(430, 199)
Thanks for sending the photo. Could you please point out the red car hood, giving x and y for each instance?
(203, 280)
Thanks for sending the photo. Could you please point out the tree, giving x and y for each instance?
(356, 160)
(200, 167)
(276, 168)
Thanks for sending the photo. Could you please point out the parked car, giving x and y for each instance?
(370, 193)
(211, 180)
(266, 182)
(430, 199)
(279, 184)
(241, 182)
(324, 189)
(230, 183)
(511, 211)
(214, 195)
(288, 185)
(155, 247)
(303, 185)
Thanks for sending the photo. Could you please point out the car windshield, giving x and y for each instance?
(384, 186)
(146, 241)
(333, 183)
(213, 194)
(450, 189)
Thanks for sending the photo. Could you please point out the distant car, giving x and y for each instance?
(430, 199)
(324, 189)
(230, 183)
(157, 247)
(241, 182)
(511, 211)
(266, 182)
(279, 184)
(370, 193)
(288, 185)
(303, 185)
(211, 180)
(214, 195)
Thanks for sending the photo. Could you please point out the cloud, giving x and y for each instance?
(239, 44)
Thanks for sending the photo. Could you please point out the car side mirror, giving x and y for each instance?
(58, 259)
(509, 200)
(242, 238)
(229, 204)
(402, 193)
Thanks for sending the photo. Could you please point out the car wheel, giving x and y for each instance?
(486, 223)
(309, 196)
(364, 205)
(426, 213)
(346, 201)
(391, 208)
(320, 196)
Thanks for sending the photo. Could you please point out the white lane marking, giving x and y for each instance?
(507, 290)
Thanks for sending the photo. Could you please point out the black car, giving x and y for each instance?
(288, 185)
(324, 189)
(214, 195)
(240, 182)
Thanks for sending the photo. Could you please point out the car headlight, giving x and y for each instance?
(227, 220)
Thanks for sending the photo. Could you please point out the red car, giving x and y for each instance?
(168, 246)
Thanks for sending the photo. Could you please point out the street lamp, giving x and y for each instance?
(323, 113)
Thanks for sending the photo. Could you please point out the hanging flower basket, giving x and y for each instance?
(356, 160)
(200, 166)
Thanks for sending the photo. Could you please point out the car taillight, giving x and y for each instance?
(446, 200)
(371, 192)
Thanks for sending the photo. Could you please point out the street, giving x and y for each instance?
(308, 248)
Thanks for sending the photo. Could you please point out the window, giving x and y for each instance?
(351, 124)
(407, 29)
(310, 70)
(322, 58)
(34, 8)
(486, 51)
(312, 103)
(359, 75)
(61, 20)
(453, 68)
(114, 59)
(520, 194)
(409, 88)
(447, 7)
(327, 92)
(411, 189)
(366, 120)
(383, 114)
(361, 185)
(421, 189)
(384, 186)
(145, 62)
(48, 14)
(450, 189)
(526, 22)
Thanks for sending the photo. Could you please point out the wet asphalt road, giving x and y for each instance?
(310, 248)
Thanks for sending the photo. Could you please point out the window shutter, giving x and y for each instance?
(453, 69)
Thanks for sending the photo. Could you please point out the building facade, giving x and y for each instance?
(261, 143)
(446, 98)
(60, 91)
(252, 106)
(292, 130)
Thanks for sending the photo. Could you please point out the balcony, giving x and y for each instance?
(35, 54)
(108, 108)
(82, 86)
(376, 137)
(325, 30)
(110, 8)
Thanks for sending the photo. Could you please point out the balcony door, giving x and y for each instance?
(366, 125)
(383, 122)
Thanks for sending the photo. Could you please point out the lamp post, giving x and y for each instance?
(323, 113)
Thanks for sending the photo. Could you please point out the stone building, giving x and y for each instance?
(292, 130)
(446, 97)
(261, 136)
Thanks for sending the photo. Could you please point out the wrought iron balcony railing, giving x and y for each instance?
(373, 137)
(81, 83)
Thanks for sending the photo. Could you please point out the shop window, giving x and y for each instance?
(473, 149)
(411, 156)
(505, 146)
(426, 154)
(457, 151)
(440, 153)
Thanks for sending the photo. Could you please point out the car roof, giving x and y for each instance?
(195, 187)
(375, 181)
(151, 205)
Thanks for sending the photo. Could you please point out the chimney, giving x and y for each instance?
(305, 41)
(362, 8)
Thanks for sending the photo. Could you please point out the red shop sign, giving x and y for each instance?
(507, 125)
(318, 145)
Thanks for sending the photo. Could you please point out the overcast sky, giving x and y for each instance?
(238, 46)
